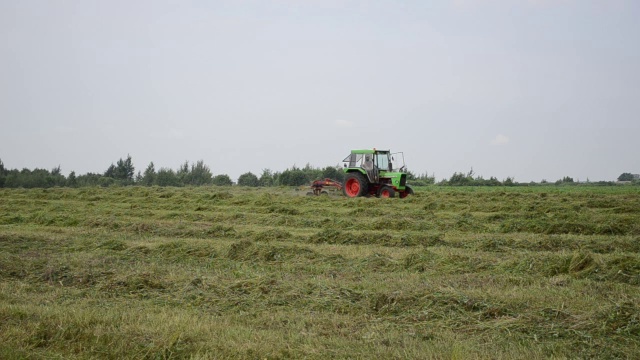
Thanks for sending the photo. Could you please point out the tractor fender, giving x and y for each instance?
(362, 171)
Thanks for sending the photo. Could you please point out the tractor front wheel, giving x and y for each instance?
(386, 192)
(355, 184)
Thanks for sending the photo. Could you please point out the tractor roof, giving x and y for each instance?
(367, 151)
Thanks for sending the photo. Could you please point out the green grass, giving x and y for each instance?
(220, 272)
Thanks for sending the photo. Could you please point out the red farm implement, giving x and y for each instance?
(318, 187)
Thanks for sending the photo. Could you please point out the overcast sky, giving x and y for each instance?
(525, 89)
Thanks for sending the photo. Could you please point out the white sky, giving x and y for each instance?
(528, 89)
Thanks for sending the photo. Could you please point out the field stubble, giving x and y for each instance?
(262, 273)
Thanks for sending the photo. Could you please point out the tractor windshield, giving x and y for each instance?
(397, 161)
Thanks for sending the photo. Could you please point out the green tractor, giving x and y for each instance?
(375, 172)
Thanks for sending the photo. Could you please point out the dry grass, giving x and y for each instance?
(263, 273)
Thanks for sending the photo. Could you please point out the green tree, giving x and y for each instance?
(56, 178)
(248, 179)
(110, 172)
(3, 174)
(311, 173)
(166, 177)
(625, 177)
(183, 174)
(124, 171)
(565, 180)
(38, 178)
(149, 176)
(200, 174)
(460, 179)
(333, 172)
(423, 180)
(293, 177)
(508, 182)
(493, 181)
(72, 181)
(266, 179)
(222, 180)
(106, 181)
(11, 180)
(88, 179)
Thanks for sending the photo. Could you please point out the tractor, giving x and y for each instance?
(375, 172)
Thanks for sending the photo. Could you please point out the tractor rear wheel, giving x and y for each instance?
(355, 184)
(386, 192)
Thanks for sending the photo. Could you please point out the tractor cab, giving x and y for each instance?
(376, 172)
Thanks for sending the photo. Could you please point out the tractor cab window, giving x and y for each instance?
(368, 162)
(382, 161)
(354, 160)
(397, 160)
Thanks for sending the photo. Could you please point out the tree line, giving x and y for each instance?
(123, 173)
(469, 179)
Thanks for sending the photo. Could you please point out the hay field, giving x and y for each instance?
(215, 272)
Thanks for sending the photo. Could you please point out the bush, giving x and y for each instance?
(625, 177)
(293, 177)
(166, 177)
(222, 180)
(248, 179)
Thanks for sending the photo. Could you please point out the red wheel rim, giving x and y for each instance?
(352, 187)
(385, 193)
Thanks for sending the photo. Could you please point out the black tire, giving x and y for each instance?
(408, 191)
(324, 193)
(355, 184)
(310, 193)
(386, 192)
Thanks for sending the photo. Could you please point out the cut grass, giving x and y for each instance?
(263, 273)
